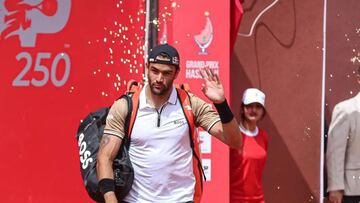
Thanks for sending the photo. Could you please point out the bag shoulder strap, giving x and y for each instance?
(133, 86)
(184, 98)
(131, 96)
(132, 114)
(132, 100)
(183, 86)
(185, 101)
(129, 102)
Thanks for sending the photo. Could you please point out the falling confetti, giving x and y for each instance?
(122, 39)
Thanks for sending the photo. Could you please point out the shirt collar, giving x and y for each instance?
(248, 132)
(143, 102)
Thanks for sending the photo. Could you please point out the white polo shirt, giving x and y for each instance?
(160, 147)
(161, 154)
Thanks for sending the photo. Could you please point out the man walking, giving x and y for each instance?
(161, 148)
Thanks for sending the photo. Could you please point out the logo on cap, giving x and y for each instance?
(162, 58)
(175, 60)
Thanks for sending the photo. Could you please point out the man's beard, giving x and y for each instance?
(156, 91)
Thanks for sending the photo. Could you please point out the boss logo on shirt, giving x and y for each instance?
(179, 122)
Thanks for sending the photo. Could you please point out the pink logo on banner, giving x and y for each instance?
(204, 39)
(27, 18)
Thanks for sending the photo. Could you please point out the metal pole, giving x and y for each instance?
(151, 29)
(154, 22)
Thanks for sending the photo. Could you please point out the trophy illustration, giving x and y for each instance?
(203, 40)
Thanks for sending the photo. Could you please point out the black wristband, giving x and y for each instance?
(106, 185)
(224, 112)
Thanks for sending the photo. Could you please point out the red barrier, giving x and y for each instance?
(60, 60)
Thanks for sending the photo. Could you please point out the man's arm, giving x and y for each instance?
(109, 148)
(228, 133)
(335, 155)
(228, 129)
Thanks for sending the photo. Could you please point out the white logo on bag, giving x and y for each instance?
(85, 158)
(28, 18)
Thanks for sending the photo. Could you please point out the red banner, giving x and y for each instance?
(200, 31)
(60, 60)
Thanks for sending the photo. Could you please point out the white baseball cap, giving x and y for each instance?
(253, 95)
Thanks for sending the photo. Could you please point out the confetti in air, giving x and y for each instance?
(121, 44)
(120, 47)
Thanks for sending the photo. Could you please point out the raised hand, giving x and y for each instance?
(212, 87)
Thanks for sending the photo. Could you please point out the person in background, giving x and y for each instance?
(343, 151)
(247, 163)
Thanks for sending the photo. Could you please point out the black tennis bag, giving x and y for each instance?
(89, 136)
